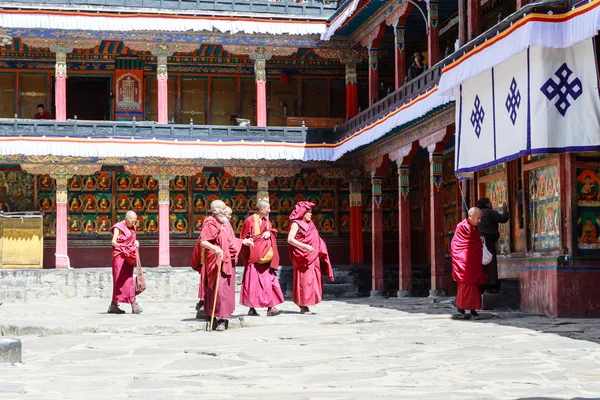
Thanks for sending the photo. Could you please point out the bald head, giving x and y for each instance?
(228, 211)
(263, 208)
(217, 206)
(474, 216)
(130, 218)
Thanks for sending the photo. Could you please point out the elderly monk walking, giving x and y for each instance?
(124, 256)
(260, 286)
(309, 258)
(219, 250)
(198, 266)
(467, 270)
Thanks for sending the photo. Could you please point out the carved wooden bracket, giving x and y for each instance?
(372, 165)
(430, 142)
(163, 172)
(344, 55)
(399, 154)
(367, 41)
(60, 45)
(256, 173)
(402, 11)
(260, 52)
(60, 171)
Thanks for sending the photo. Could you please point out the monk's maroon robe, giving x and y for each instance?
(309, 266)
(197, 264)
(123, 261)
(260, 286)
(219, 235)
(467, 252)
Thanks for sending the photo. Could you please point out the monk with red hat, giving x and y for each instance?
(467, 254)
(309, 256)
(260, 286)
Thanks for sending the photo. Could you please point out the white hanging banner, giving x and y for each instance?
(510, 105)
(565, 102)
(543, 100)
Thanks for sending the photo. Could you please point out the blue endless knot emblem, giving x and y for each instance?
(563, 89)
(477, 116)
(513, 101)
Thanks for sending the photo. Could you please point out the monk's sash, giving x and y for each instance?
(269, 256)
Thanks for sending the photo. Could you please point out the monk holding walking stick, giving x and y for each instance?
(219, 250)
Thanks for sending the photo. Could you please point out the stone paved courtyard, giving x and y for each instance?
(355, 349)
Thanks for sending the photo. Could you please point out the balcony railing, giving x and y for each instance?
(311, 8)
(432, 76)
(390, 102)
(149, 130)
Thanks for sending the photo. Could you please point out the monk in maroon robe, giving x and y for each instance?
(125, 253)
(309, 257)
(220, 251)
(260, 286)
(198, 266)
(467, 253)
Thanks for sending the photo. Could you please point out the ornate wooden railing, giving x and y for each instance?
(149, 130)
(432, 76)
(310, 8)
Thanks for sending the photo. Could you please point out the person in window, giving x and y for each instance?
(489, 230)
(42, 113)
(417, 67)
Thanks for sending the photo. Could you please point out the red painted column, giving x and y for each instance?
(356, 228)
(474, 18)
(436, 227)
(261, 91)
(60, 86)
(404, 260)
(399, 58)
(61, 223)
(377, 235)
(433, 38)
(162, 78)
(521, 3)
(373, 73)
(164, 249)
(351, 88)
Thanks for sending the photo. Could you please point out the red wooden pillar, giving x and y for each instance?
(399, 57)
(261, 91)
(436, 221)
(61, 223)
(433, 38)
(164, 247)
(474, 17)
(351, 88)
(60, 86)
(356, 228)
(404, 260)
(521, 3)
(377, 235)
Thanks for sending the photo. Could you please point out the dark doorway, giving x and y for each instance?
(88, 98)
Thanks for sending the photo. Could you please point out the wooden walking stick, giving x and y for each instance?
(212, 317)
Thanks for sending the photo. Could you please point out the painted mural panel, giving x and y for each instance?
(544, 208)
(140, 194)
(588, 210)
(89, 204)
(496, 191)
(95, 202)
(16, 191)
(46, 203)
(389, 203)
